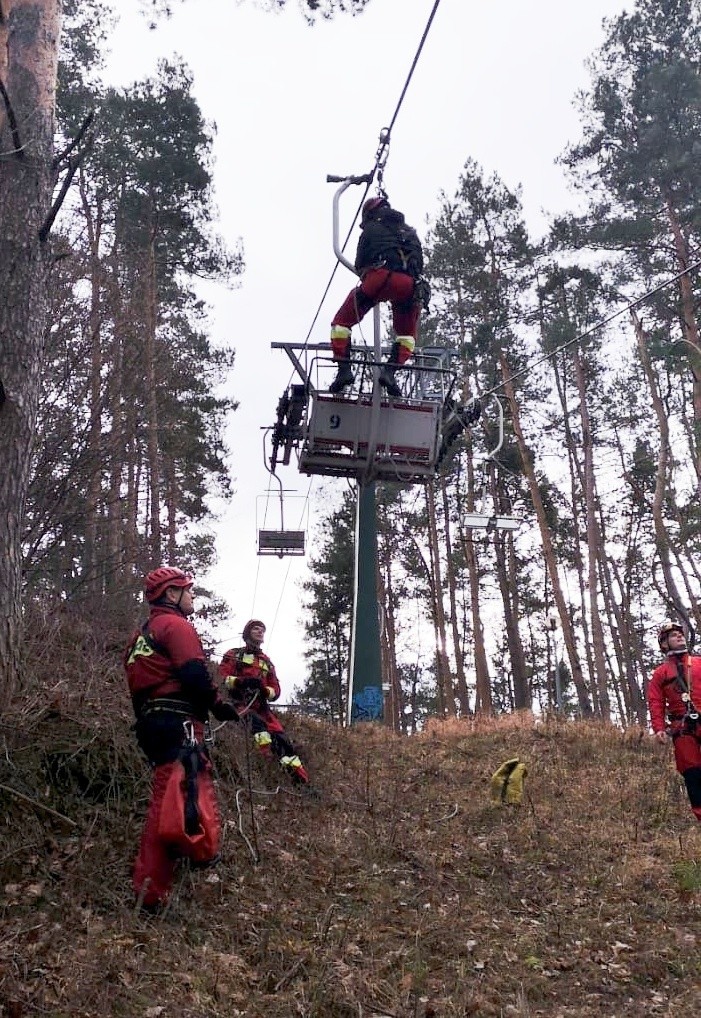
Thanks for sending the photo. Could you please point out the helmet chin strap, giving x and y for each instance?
(176, 604)
(678, 652)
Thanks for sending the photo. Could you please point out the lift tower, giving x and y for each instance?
(364, 435)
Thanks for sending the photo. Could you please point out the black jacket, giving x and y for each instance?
(387, 241)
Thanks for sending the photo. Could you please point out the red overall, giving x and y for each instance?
(380, 285)
(252, 682)
(170, 685)
(665, 701)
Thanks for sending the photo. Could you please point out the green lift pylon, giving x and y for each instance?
(365, 699)
(362, 436)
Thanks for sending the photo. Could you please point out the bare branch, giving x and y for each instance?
(73, 165)
(16, 140)
(63, 156)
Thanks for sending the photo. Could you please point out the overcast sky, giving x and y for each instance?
(496, 82)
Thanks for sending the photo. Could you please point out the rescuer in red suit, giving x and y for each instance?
(674, 697)
(389, 261)
(170, 687)
(252, 682)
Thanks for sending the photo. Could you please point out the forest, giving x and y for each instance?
(113, 439)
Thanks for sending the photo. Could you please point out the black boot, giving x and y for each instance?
(387, 379)
(344, 374)
(344, 377)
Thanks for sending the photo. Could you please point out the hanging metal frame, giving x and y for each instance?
(279, 542)
(364, 434)
(486, 521)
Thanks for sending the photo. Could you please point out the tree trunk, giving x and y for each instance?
(508, 585)
(93, 589)
(546, 540)
(393, 700)
(662, 542)
(462, 691)
(29, 33)
(594, 544)
(149, 326)
(688, 317)
(445, 683)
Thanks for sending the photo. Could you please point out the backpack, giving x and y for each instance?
(409, 250)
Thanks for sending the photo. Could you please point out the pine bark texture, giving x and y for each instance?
(29, 34)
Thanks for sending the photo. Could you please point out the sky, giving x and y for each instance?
(291, 103)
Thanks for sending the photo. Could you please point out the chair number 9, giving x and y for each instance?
(335, 421)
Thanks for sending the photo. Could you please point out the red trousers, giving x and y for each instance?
(271, 741)
(687, 756)
(382, 285)
(156, 860)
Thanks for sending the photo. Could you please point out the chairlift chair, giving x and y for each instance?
(362, 433)
(491, 521)
(280, 542)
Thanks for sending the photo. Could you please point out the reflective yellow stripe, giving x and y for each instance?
(291, 761)
(262, 738)
(340, 332)
(408, 342)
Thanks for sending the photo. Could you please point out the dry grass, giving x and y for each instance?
(403, 891)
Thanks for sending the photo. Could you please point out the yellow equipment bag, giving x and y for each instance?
(507, 782)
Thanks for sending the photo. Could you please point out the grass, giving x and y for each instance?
(403, 892)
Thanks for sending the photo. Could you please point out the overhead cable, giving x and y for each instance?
(594, 328)
(380, 158)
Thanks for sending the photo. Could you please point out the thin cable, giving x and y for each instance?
(384, 144)
(594, 328)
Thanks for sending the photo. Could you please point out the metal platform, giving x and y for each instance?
(338, 439)
(362, 433)
(281, 542)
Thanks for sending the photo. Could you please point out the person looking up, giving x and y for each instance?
(252, 682)
(673, 696)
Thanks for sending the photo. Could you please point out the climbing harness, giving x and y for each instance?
(682, 679)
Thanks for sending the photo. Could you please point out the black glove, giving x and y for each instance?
(224, 711)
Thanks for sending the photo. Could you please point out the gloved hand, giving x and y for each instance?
(242, 690)
(224, 711)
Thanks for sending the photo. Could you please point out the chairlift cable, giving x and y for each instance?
(305, 510)
(594, 328)
(381, 152)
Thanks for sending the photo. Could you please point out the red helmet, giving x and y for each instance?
(157, 581)
(666, 628)
(249, 626)
(372, 205)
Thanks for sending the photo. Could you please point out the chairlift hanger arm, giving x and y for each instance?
(345, 183)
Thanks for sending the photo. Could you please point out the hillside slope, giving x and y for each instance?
(402, 891)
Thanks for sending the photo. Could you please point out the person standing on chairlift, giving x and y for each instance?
(674, 698)
(389, 261)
